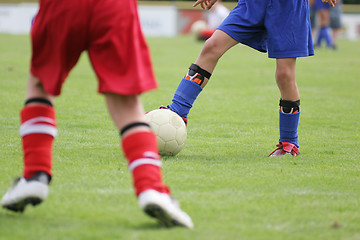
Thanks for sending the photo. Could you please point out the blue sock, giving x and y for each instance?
(184, 97)
(288, 124)
(320, 36)
(327, 36)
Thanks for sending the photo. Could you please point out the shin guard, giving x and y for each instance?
(184, 97)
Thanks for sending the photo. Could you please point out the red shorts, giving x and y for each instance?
(108, 29)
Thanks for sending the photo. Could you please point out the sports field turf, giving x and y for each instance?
(222, 177)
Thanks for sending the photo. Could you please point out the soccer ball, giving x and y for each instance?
(170, 131)
(198, 26)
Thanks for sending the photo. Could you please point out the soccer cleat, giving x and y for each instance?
(23, 192)
(164, 208)
(183, 118)
(284, 148)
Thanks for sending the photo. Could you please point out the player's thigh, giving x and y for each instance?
(324, 17)
(219, 43)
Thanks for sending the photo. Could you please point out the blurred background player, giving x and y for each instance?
(110, 31)
(215, 17)
(322, 10)
(260, 25)
(335, 22)
(313, 19)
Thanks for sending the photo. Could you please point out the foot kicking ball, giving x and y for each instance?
(170, 130)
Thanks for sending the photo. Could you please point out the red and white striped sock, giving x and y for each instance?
(140, 149)
(38, 130)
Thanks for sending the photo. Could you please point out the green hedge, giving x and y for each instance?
(351, 1)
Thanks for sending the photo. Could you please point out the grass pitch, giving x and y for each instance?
(222, 177)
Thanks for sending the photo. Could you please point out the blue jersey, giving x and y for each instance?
(279, 27)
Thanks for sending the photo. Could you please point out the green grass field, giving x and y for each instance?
(222, 177)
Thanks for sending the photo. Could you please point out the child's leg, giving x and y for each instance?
(140, 148)
(289, 113)
(138, 142)
(286, 79)
(38, 130)
(199, 73)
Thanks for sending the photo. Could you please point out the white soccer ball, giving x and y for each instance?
(198, 26)
(170, 130)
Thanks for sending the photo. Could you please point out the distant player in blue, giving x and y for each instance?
(323, 34)
(279, 27)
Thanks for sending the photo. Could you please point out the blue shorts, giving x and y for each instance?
(281, 27)
(320, 5)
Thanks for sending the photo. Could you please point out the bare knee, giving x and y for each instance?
(286, 80)
(283, 74)
(211, 49)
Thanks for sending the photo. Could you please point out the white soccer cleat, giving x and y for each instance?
(164, 208)
(24, 192)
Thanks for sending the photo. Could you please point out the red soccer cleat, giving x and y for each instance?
(284, 148)
(183, 118)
